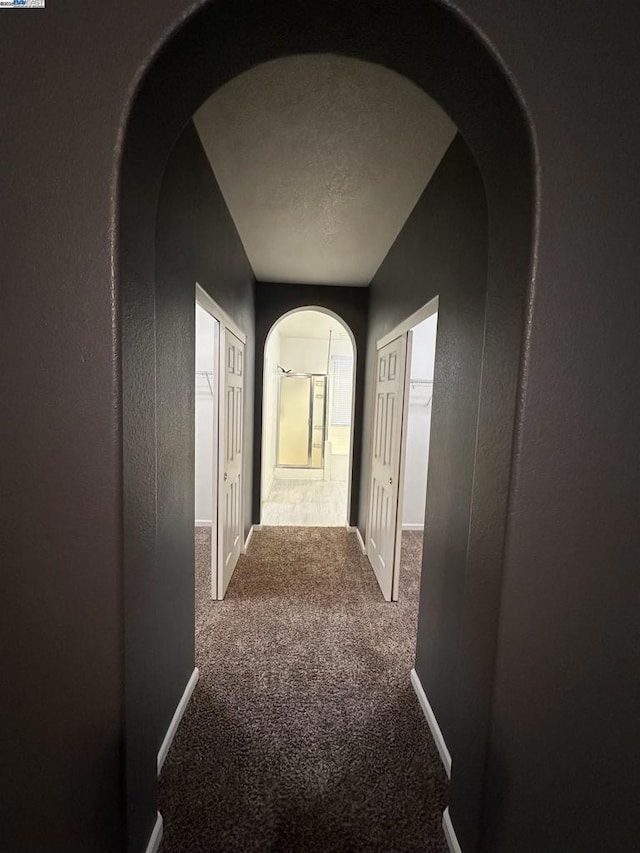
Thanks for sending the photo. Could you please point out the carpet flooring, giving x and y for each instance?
(304, 733)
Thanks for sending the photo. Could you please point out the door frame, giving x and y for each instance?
(404, 328)
(225, 322)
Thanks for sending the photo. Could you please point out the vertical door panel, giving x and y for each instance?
(385, 467)
(230, 520)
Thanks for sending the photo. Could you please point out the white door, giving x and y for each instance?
(230, 514)
(385, 467)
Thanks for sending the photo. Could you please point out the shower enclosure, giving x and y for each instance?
(302, 399)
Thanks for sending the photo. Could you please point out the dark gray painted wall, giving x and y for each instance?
(482, 104)
(77, 261)
(196, 241)
(351, 305)
(441, 251)
(564, 751)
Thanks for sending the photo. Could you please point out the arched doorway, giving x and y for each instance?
(307, 420)
(423, 41)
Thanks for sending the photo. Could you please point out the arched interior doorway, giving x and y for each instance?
(307, 420)
(423, 41)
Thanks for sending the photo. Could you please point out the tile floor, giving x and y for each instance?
(306, 503)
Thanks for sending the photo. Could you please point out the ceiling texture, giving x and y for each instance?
(321, 159)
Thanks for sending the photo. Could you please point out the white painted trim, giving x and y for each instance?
(156, 836)
(427, 710)
(404, 429)
(417, 317)
(175, 721)
(203, 522)
(248, 539)
(450, 833)
(266, 488)
(210, 305)
(408, 526)
(358, 537)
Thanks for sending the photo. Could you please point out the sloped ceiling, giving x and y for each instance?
(321, 159)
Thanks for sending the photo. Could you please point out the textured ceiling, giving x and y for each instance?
(321, 159)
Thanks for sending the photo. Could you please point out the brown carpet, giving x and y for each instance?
(304, 733)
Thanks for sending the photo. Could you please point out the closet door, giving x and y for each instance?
(230, 504)
(385, 465)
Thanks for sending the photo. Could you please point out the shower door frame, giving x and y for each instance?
(311, 377)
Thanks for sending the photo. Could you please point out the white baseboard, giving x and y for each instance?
(427, 710)
(450, 833)
(358, 537)
(175, 721)
(156, 836)
(248, 539)
(298, 474)
(413, 527)
(202, 522)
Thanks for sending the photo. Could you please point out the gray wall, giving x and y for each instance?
(78, 224)
(196, 241)
(441, 251)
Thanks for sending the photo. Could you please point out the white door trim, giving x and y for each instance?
(395, 589)
(210, 305)
(406, 325)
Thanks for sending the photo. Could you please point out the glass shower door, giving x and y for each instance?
(294, 422)
(300, 439)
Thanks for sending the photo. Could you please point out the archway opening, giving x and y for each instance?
(307, 420)
(449, 58)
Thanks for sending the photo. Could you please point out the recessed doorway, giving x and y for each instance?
(417, 428)
(206, 431)
(307, 421)
(401, 422)
(219, 437)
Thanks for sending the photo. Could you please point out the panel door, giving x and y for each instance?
(385, 467)
(230, 509)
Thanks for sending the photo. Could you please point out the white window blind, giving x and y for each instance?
(341, 390)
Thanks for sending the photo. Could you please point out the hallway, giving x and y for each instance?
(306, 503)
(304, 733)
